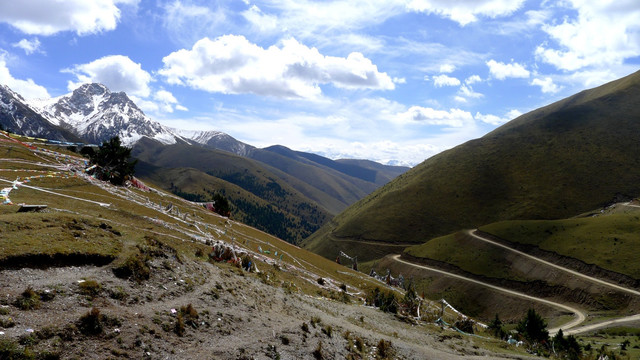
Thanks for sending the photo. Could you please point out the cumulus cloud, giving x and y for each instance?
(465, 12)
(167, 101)
(447, 68)
(502, 71)
(27, 88)
(444, 80)
(45, 17)
(429, 116)
(466, 91)
(29, 46)
(546, 85)
(603, 33)
(231, 64)
(472, 79)
(497, 120)
(117, 72)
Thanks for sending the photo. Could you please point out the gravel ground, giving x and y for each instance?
(239, 316)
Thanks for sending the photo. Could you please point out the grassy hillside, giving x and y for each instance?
(284, 219)
(555, 162)
(256, 195)
(611, 242)
(112, 272)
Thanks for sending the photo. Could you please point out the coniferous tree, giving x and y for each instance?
(533, 328)
(113, 161)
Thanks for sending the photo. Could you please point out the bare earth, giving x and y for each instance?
(240, 316)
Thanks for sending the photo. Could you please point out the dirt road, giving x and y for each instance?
(572, 272)
(579, 315)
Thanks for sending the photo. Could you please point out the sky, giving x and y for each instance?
(395, 81)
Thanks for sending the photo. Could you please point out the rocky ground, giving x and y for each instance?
(198, 310)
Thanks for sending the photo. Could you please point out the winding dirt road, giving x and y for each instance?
(562, 268)
(579, 315)
(569, 328)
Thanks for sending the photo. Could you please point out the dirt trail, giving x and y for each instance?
(572, 272)
(580, 316)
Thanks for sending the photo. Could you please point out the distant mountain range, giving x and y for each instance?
(566, 158)
(287, 193)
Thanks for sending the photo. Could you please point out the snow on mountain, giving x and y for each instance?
(17, 116)
(217, 140)
(96, 114)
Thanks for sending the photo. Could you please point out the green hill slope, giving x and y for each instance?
(256, 194)
(574, 155)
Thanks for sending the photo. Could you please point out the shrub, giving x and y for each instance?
(118, 294)
(305, 327)
(91, 323)
(90, 288)
(385, 350)
(321, 281)
(134, 268)
(190, 315)
(315, 320)
(465, 325)
(28, 300)
(327, 330)
(285, 340)
(318, 353)
(179, 326)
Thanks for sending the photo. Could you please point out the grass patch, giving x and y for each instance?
(608, 241)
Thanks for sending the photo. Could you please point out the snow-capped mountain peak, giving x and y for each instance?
(96, 114)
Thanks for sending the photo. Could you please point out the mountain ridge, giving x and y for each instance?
(558, 161)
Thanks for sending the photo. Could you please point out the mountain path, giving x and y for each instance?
(580, 316)
(562, 268)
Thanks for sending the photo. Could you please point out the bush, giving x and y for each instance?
(385, 350)
(327, 330)
(385, 300)
(465, 325)
(134, 268)
(179, 327)
(190, 315)
(90, 288)
(29, 300)
(91, 323)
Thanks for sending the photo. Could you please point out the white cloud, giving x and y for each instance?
(397, 80)
(444, 80)
(117, 72)
(473, 79)
(186, 23)
(496, 120)
(429, 116)
(29, 46)
(603, 34)
(466, 91)
(546, 85)
(46, 17)
(27, 88)
(167, 102)
(502, 71)
(447, 68)
(465, 12)
(261, 22)
(231, 64)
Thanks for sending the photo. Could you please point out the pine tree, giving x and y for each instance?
(113, 161)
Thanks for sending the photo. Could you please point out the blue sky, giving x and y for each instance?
(391, 81)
